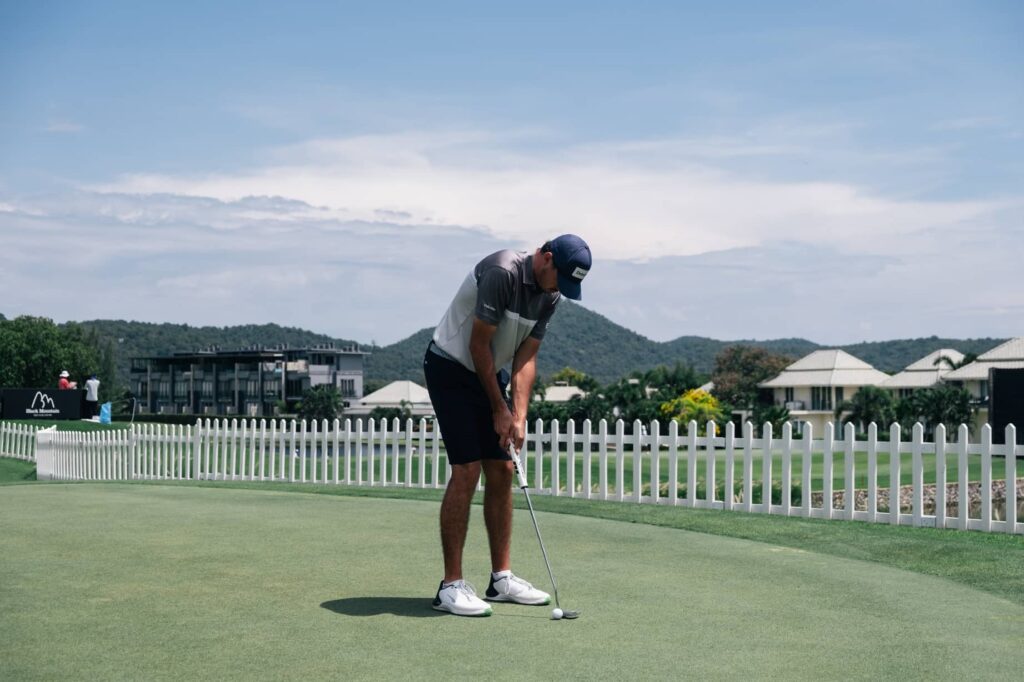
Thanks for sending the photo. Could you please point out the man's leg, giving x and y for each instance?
(455, 516)
(498, 512)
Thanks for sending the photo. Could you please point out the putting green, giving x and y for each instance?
(145, 582)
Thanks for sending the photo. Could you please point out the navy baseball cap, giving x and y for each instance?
(571, 257)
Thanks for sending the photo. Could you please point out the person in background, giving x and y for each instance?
(65, 383)
(92, 397)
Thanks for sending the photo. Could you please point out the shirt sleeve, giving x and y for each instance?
(493, 293)
(541, 328)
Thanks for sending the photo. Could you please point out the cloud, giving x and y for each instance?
(632, 200)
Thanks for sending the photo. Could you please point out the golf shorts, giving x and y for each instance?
(463, 410)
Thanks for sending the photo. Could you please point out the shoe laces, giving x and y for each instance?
(462, 587)
(519, 581)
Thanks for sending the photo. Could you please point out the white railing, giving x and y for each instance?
(825, 478)
(18, 441)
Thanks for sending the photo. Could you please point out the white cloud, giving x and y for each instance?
(632, 200)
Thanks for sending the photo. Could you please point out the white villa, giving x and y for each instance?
(974, 377)
(393, 395)
(924, 373)
(814, 385)
(561, 392)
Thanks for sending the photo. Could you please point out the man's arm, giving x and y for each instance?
(524, 371)
(483, 362)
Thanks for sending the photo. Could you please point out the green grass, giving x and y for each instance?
(67, 425)
(16, 470)
(117, 581)
(991, 562)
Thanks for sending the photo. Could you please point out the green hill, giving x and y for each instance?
(577, 337)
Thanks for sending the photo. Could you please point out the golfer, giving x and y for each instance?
(498, 317)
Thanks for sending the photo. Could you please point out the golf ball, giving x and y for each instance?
(556, 614)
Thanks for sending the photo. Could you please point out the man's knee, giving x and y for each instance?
(464, 477)
(498, 472)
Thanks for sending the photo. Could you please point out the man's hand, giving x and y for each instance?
(518, 432)
(505, 426)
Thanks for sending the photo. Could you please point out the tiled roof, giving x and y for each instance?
(925, 372)
(1009, 355)
(827, 368)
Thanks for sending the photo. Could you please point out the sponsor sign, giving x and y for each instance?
(41, 403)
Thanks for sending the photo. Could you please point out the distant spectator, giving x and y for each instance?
(92, 397)
(65, 383)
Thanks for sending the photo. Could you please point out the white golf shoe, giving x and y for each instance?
(513, 588)
(460, 598)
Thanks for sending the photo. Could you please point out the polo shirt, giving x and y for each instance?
(501, 291)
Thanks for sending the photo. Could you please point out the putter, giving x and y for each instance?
(566, 613)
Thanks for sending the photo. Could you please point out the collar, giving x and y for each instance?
(528, 277)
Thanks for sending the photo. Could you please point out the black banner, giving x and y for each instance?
(1006, 402)
(41, 403)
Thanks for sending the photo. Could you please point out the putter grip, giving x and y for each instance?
(518, 465)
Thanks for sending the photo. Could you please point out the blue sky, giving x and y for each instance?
(838, 171)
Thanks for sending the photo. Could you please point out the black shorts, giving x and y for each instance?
(463, 410)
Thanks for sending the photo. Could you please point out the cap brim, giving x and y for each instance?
(569, 287)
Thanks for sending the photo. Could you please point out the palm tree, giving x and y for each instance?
(945, 359)
(869, 404)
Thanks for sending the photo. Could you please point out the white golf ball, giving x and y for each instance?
(556, 614)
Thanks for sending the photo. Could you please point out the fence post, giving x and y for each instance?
(894, 474)
(1011, 479)
(748, 481)
(655, 450)
(917, 501)
(963, 496)
(602, 459)
(673, 462)
(556, 472)
(588, 438)
(730, 466)
(872, 472)
(766, 467)
(787, 467)
(850, 469)
(806, 481)
(691, 463)
(940, 475)
(986, 477)
(709, 493)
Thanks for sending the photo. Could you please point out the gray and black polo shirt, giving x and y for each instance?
(501, 291)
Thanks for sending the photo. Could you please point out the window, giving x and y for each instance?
(252, 386)
(181, 389)
(983, 391)
(821, 398)
(789, 394)
(348, 387)
(208, 388)
(906, 392)
(839, 395)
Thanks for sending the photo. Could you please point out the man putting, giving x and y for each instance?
(499, 316)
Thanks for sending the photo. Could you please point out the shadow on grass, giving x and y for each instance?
(410, 607)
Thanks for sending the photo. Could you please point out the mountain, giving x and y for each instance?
(576, 337)
(592, 343)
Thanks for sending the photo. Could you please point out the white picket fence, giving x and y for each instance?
(640, 467)
(18, 441)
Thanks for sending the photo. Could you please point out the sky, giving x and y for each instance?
(842, 172)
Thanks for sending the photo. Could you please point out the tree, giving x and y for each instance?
(949, 362)
(868, 404)
(694, 405)
(776, 415)
(34, 350)
(670, 382)
(402, 413)
(320, 402)
(738, 371)
(574, 377)
(943, 404)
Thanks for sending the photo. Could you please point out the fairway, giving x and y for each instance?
(122, 581)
